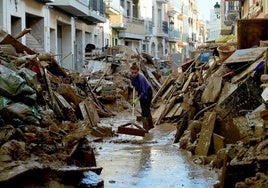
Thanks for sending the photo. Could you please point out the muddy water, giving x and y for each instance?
(150, 161)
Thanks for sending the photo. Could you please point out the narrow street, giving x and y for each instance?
(150, 161)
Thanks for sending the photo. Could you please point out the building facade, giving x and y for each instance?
(232, 10)
(62, 27)
(213, 26)
(66, 27)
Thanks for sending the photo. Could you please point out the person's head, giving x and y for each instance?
(134, 69)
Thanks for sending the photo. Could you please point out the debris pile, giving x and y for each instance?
(49, 115)
(46, 114)
(220, 109)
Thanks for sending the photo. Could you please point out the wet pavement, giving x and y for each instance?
(150, 161)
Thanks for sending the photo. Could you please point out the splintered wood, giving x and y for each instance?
(204, 140)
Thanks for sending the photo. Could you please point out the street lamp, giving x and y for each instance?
(217, 9)
(171, 24)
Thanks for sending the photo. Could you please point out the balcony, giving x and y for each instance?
(119, 26)
(112, 7)
(174, 7)
(134, 29)
(80, 8)
(148, 27)
(162, 30)
(118, 22)
(174, 36)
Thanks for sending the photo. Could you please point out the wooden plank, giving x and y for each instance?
(61, 100)
(169, 106)
(246, 55)
(212, 91)
(185, 86)
(181, 127)
(89, 112)
(166, 83)
(131, 129)
(20, 48)
(246, 72)
(218, 142)
(154, 81)
(157, 113)
(172, 112)
(204, 139)
(251, 31)
(179, 111)
(167, 93)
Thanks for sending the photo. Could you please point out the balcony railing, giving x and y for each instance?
(175, 34)
(93, 11)
(97, 5)
(112, 7)
(148, 27)
(134, 28)
(165, 27)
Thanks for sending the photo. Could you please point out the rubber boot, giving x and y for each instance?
(145, 123)
(151, 123)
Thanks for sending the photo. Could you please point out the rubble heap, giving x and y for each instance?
(49, 115)
(220, 108)
(46, 115)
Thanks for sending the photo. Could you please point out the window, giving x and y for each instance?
(128, 8)
(122, 3)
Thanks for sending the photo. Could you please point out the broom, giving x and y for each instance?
(134, 128)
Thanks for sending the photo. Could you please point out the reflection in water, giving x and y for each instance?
(153, 166)
(151, 162)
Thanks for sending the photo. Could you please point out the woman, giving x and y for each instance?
(145, 95)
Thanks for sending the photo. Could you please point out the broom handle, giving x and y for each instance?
(133, 105)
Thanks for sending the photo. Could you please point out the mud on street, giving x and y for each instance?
(150, 161)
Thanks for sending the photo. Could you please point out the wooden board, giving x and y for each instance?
(246, 55)
(167, 93)
(246, 72)
(185, 86)
(172, 112)
(250, 32)
(204, 139)
(218, 142)
(131, 129)
(180, 110)
(20, 48)
(168, 81)
(89, 112)
(212, 91)
(158, 113)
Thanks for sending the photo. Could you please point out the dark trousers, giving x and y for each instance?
(146, 104)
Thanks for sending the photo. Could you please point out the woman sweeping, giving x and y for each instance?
(145, 95)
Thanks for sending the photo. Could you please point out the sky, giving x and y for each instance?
(204, 7)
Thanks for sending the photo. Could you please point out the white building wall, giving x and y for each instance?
(213, 26)
(51, 18)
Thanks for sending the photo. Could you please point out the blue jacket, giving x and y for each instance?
(141, 84)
